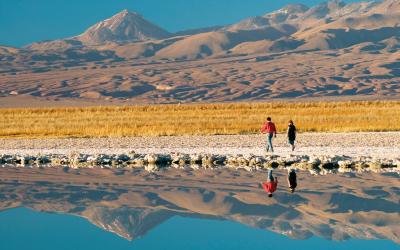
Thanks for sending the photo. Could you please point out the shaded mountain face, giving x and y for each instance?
(123, 27)
(130, 205)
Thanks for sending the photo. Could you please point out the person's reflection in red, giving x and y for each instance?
(271, 184)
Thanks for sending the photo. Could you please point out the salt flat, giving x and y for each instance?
(382, 145)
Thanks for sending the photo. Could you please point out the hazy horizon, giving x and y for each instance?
(25, 21)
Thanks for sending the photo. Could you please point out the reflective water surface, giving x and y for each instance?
(204, 209)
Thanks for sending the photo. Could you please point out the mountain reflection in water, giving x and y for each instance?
(130, 203)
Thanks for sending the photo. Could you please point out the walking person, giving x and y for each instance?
(271, 184)
(291, 134)
(270, 129)
(292, 180)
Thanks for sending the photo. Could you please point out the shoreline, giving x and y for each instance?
(155, 162)
(318, 153)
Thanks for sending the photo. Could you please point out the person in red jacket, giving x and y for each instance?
(271, 184)
(270, 129)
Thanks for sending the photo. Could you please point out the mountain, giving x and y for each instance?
(127, 59)
(282, 16)
(218, 42)
(287, 13)
(348, 25)
(129, 223)
(190, 32)
(319, 27)
(125, 26)
(8, 50)
(324, 10)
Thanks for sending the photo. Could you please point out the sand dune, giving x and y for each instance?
(359, 72)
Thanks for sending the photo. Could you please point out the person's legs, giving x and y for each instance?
(270, 142)
(270, 178)
(291, 142)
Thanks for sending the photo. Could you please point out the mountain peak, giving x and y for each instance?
(294, 8)
(336, 3)
(324, 9)
(127, 12)
(129, 223)
(125, 15)
(289, 12)
(125, 26)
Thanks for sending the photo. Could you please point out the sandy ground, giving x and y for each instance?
(376, 145)
(27, 101)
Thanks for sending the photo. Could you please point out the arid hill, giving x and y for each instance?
(330, 50)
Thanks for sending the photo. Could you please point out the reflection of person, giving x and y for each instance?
(291, 133)
(271, 184)
(270, 129)
(292, 180)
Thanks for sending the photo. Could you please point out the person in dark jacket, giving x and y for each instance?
(291, 133)
(292, 180)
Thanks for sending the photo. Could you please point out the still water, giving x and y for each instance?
(22, 228)
(106, 209)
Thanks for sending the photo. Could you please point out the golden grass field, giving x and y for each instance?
(198, 119)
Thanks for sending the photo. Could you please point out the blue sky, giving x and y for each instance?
(26, 21)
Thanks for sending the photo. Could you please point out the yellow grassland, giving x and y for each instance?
(198, 119)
